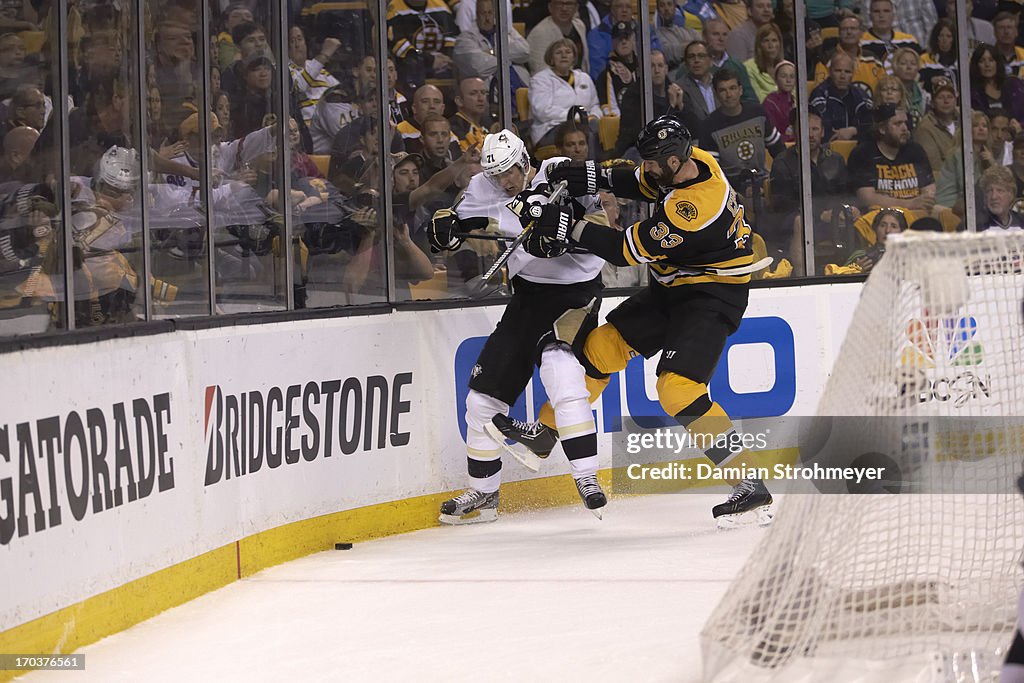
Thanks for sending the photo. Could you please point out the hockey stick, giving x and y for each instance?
(738, 270)
(474, 236)
(521, 237)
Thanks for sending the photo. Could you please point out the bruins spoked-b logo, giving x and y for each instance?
(687, 210)
(745, 150)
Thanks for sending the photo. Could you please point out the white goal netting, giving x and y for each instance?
(919, 585)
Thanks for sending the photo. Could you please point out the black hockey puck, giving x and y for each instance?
(343, 546)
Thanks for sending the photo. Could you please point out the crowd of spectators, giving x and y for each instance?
(883, 137)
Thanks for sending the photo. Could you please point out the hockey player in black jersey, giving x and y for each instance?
(697, 247)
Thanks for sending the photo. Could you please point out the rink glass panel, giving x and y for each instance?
(338, 211)
(242, 228)
(32, 237)
(249, 235)
(615, 141)
(107, 195)
(176, 217)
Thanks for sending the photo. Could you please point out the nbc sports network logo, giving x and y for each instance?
(941, 360)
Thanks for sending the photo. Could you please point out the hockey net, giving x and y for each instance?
(921, 585)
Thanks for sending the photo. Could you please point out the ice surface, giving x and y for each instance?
(553, 595)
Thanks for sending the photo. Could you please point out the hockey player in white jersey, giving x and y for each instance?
(554, 294)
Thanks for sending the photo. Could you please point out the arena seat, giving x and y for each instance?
(523, 103)
(545, 152)
(434, 288)
(33, 41)
(608, 132)
(843, 147)
(322, 161)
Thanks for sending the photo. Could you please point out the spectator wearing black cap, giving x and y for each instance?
(407, 175)
(599, 39)
(621, 69)
(364, 273)
(668, 98)
(938, 129)
(891, 170)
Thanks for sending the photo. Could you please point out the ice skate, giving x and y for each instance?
(470, 507)
(591, 494)
(533, 440)
(748, 504)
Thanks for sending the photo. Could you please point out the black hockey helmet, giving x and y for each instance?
(664, 137)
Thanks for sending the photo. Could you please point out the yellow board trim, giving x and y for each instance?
(69, 629)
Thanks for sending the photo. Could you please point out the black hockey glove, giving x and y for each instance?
(543, 246)
(581, 177)
(443, 228)
(549, 220)
(447, 231)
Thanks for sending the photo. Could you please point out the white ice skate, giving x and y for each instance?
(470, 507)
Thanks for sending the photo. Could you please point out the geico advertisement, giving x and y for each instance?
(775, 364)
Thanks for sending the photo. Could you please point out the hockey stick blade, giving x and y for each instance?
(503, 259)
(478, 288)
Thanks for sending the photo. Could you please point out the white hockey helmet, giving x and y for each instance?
(502, 151)
(119, 168)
